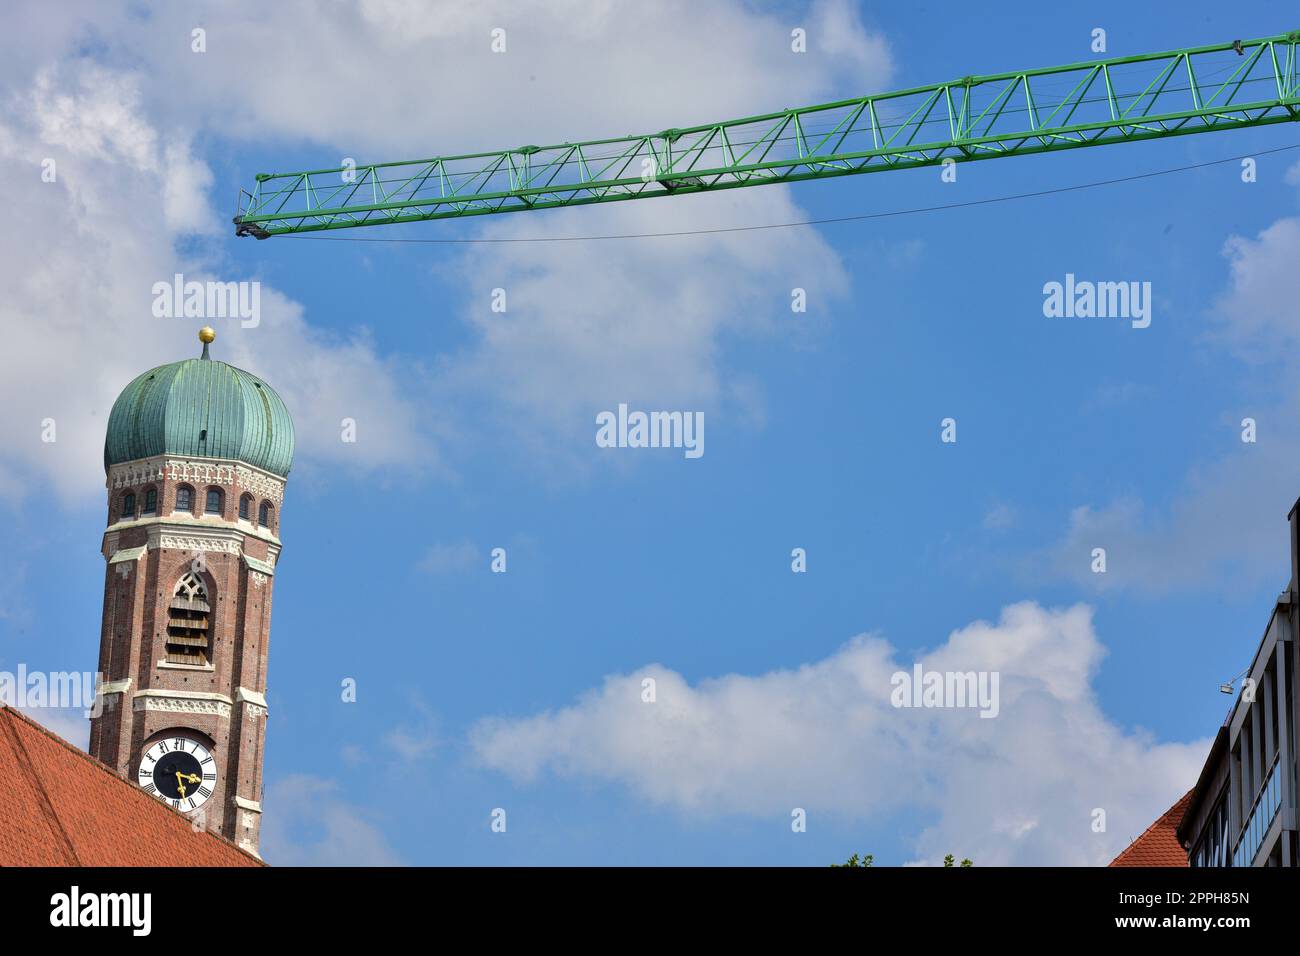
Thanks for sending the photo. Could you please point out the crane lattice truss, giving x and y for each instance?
(1151, 96)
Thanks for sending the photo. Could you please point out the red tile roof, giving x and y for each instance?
(1158, 845)
(61, 807)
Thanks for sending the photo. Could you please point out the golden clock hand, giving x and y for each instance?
(180, 782)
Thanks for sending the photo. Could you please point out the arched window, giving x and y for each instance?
(246, 507)
(150, 502)
(214, 501)
(185, 498)
(128, 505)
(264, 514)
(187, 622)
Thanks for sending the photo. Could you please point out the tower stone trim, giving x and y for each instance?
(208, 471)
(206, 543)
(254, 703)
(181, 702)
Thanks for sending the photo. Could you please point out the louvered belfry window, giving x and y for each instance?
(188, 617)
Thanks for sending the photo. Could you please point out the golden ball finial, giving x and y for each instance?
(207, 334)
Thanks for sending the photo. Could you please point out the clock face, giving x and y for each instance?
(178, 770)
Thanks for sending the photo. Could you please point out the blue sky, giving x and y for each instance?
(479, 690)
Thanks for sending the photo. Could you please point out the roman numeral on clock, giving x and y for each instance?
(204, 792)
(150, 788)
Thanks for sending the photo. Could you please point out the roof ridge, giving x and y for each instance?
(6, 709)
(47, 805)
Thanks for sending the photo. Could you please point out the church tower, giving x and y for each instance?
(197, 453)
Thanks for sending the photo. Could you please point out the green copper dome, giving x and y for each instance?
(201, 408)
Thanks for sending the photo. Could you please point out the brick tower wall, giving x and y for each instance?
(143, 696)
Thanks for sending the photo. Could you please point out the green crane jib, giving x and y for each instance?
(1154, 95)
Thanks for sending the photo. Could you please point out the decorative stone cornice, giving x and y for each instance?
(207, 543)
(186, 524)
(261, 483)
(256, 565)
(135, 473)
(195, 536)
(206, 471)
(183, 702)
(254, 703)
(201, 471)
(252, 806)
(126, 554)
(258, 571)
(109, 693)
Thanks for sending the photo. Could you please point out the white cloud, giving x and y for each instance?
(1000, 517)
(1258, 312)
(1292, 175)
(77, 310)
(325, 379)
(133, 184)
(1225, 526)
(97, 115)
(1016, 789)
(307, 824)
(1226, 529)
(590, 325)
(572, 69)
(450, 558)
(416, 737)
(186, 181)
(70, 723)
(411, 743)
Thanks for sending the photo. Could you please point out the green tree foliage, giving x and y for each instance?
(869, 859)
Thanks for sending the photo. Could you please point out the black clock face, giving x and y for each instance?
(177, 774)
(179, 770)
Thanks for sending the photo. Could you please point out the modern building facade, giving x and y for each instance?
(197, 454)
(1243, 808)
